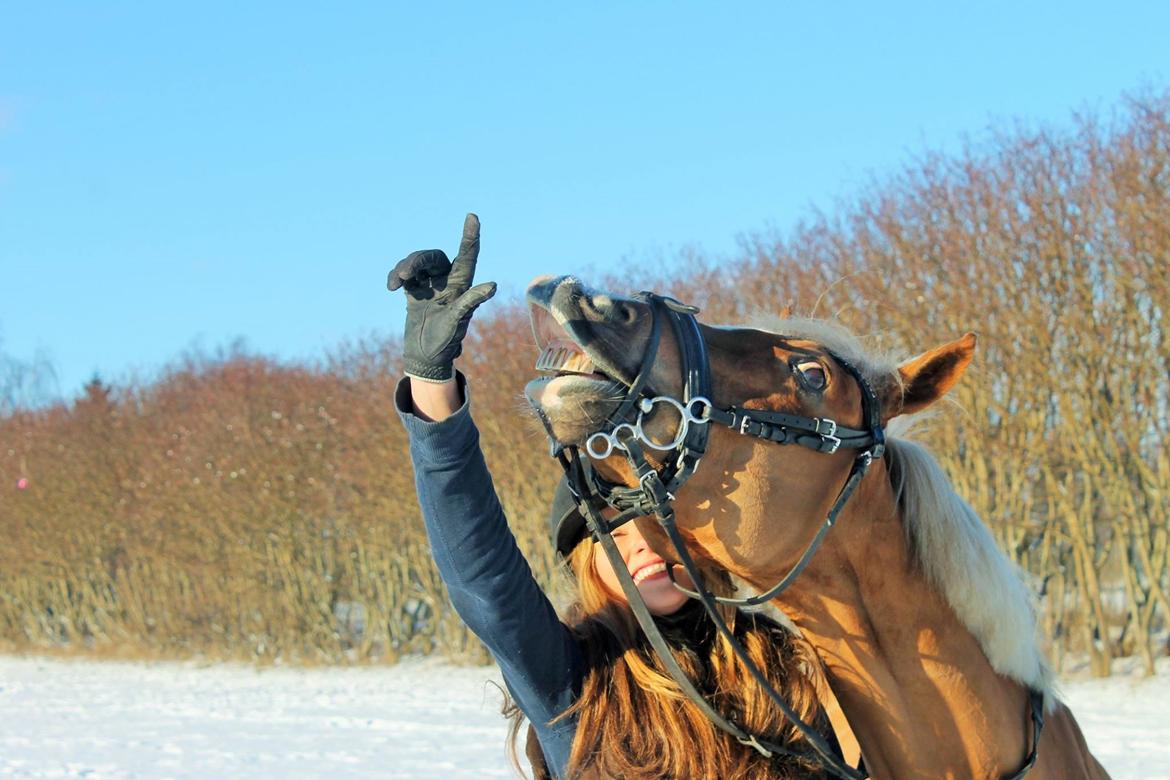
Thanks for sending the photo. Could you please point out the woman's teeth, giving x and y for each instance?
(649, 571)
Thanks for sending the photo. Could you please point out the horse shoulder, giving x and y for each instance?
(1063, 752)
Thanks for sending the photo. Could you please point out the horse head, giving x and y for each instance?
(752, 506)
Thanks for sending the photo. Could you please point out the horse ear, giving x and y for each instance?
(928, 377)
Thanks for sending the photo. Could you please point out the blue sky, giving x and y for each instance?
(179, 176)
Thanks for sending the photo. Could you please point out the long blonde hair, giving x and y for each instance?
(633, 721)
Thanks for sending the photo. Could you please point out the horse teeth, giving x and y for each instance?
(546, 360)
(580, 363)
(564, 358)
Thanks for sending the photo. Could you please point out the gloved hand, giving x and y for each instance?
(439, 303)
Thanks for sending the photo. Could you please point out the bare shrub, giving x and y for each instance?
(241, 508)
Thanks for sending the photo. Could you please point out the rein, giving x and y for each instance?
(657, 487)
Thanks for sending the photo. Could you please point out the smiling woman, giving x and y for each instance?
(647, 568)
(600, 702)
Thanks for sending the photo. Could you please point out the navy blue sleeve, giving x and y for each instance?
(490, 583)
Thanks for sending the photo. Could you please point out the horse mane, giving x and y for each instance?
(962, 561)
(953, 546)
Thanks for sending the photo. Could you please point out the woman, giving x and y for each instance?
(599, 700)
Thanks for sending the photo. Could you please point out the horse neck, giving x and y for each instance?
(913, 681)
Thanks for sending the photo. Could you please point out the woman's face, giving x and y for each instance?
(647, 569)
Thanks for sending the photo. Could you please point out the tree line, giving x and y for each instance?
(240, 508)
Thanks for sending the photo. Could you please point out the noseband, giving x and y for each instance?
(626, 433)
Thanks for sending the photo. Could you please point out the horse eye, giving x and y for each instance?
(812, 374)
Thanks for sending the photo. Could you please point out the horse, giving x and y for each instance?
(926, 631)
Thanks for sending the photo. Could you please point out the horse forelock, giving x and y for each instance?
(962, 560)
(875, 366)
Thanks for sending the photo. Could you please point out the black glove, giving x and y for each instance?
(439, 303)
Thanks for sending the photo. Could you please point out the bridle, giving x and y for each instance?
(656, 490)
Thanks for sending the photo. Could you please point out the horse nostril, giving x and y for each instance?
(608, 309)
(600, 305)
(618, 312)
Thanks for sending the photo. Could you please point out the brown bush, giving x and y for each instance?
(239, 508)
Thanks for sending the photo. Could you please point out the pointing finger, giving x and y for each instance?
(463, 269)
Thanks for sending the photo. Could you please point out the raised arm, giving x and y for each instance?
(490, 583)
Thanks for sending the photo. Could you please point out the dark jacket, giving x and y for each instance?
(488, 579)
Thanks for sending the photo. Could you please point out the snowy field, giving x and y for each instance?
(415, 720)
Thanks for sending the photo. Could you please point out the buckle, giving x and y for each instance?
(825, 426)
(749, 740)
(833, 442)
(686, 460)
(658, 491)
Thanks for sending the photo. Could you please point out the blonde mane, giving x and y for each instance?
(956, 551)
(962, 561)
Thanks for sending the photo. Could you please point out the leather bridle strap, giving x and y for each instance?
(653, 496)
(1036, 711)
(815, 433)
(627, 408)
(575, 471)
(857, 472)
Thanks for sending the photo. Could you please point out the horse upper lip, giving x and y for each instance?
(548, 328)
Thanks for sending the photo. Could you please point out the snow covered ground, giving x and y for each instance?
(419, 719)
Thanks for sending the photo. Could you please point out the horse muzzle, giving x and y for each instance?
(590, 348)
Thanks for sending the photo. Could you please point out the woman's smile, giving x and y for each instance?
(647, 569)
(653, 570)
